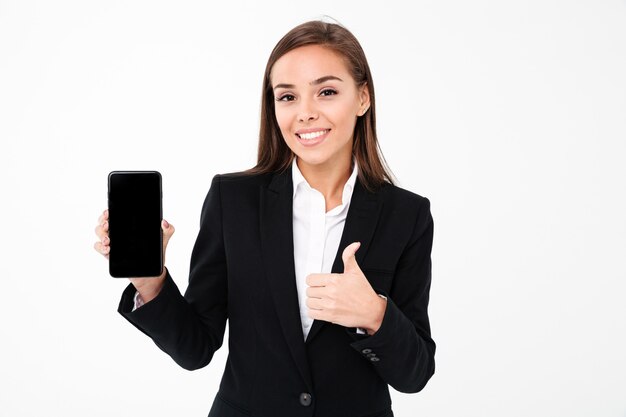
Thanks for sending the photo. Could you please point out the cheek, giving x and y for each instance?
(344, 115)
(285, 121)
(283, 118)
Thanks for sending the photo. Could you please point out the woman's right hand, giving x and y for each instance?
(149, 287)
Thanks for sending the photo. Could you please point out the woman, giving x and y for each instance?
(320, 264)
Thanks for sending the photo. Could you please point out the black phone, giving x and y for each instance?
(135, 213)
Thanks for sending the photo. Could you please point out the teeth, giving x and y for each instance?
(312, 135)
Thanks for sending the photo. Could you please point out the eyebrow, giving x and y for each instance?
(314, 82)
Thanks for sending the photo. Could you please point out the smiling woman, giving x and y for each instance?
(317, 114)
(320, 264)
(319, 72)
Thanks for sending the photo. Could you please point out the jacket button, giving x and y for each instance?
(366, 351)
(305, 399)
(374, 359)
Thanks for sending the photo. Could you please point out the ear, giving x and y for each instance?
(364, 99)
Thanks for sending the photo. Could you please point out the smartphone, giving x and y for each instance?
(135, 213)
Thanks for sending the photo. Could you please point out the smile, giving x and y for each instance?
(312, 135)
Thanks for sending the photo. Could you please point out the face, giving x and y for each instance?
(317, 105)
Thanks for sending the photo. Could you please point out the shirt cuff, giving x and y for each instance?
(138, 301)
(360, 330)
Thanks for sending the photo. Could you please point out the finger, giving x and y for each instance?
(316, 292)
(348, 258)
(314, 314)
(168, 231)
(104, 216)
(102, 249)
(100, 232)
(314, 303)
(318, 280)
(319, 315)
(168, 228)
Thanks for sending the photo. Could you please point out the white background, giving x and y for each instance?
(510, 116)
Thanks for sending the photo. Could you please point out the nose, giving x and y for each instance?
(307, 111)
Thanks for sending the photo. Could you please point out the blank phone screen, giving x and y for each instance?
(135, 224)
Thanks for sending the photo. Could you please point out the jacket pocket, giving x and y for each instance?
(225, 408)
(379, 279)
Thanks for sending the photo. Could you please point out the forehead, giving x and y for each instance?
(308, 63)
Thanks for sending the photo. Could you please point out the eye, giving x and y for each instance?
(286, 97)
(328, 92)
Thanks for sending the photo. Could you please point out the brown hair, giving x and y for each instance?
(273, 152)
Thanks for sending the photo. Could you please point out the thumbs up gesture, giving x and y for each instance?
(346, 299)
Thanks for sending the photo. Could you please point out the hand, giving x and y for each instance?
(148, 287)
(346, 299)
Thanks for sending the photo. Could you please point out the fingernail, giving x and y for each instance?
(166, 224)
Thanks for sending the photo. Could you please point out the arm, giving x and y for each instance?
(191, 328)
(402, 350)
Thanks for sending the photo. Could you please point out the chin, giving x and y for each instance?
(307, 159)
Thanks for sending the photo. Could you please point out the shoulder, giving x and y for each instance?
(242, 186)
(407, 207)
(233, 191)
(401, 197)
(243, 177)
(240, 180)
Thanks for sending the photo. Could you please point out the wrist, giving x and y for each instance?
(149, 288)
(378, 315)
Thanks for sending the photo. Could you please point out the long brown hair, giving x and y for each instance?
(274, 154)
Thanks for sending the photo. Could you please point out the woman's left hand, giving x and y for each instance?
(346, 299)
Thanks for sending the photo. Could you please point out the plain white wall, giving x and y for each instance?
(510, 116)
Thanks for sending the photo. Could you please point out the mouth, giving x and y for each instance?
(312, 134)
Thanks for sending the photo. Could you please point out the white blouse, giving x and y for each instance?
(316, 233)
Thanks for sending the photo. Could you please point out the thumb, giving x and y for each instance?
(349, 261)
(168, 231)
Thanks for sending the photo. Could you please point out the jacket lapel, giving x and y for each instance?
(365, 208)
(276, 228)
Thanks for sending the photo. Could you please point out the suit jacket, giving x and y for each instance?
(242, 270)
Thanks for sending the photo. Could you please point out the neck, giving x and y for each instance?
(328, 179)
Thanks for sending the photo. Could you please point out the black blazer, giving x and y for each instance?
(242, 269)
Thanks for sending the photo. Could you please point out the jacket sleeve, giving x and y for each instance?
(402, 350)
(191, 328)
